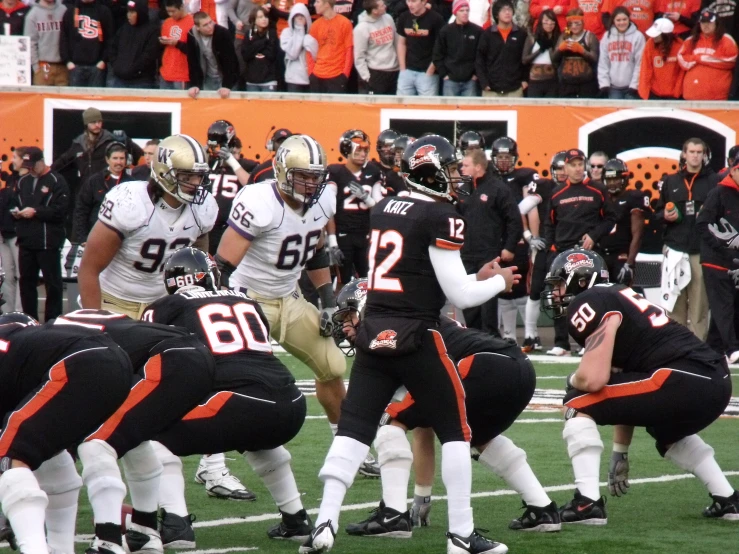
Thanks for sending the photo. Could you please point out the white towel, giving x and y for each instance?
(675, 277)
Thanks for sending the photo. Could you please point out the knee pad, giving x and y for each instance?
(392, 444)
(100, 467)
(581, 433)
(501, 455)
(689, 453)
(19, 489)
(141, 463)
(268, 461)
(343, 460)
(170, 462)
(58, 475)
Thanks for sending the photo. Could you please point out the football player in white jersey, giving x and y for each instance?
(141, 224)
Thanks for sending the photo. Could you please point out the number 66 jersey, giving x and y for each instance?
(282, 240)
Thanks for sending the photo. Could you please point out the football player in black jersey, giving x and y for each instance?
(392, 182)
(57, 385)
(468, 141)
(264, 171)
(499, 383)
(254, 406)
(640, 369)
(399, 146)
(414, 264)
(620, 247)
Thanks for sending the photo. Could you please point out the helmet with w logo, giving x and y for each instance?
(572, 272)
(300, 169)
(180, 168)
(429, 166)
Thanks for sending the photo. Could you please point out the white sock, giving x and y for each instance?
(284, 490)
(102, 477)
(532, 317)
(172, 492)
(508, 314)
(585, 447)
(334, 492)
(24, 504)
(334, 428)
(710, 474)
(216, 465)
(528, 486)
(143, 472)
(395, 458)
(61, 518)
(456, 472)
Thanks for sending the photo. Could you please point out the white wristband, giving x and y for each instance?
(331, 241)
(527, 235)
(233, 163)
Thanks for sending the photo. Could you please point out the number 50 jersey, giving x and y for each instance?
(282, 240)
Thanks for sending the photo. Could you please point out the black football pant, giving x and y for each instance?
(485, 316)
(521, 261)
(672, 402)
(178, 373)
(354, 247)
(77, 395)
(498, 387)
(30, 262)
(723, 301)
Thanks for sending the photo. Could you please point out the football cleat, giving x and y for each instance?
(474, 544)
(558, 351)
(370, 467)
(176, 531)
(537, 344)
(584, 511)
(321, 539)
(724, 507)
(528, 345)
(201, 473)
(383, 522)
(104, 547)
(421, 511)
(227, 486)
(139, 538)
(294, 527)
(534, 518)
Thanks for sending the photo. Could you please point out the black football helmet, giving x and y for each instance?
(578, 269)
(505, 155)
(190, 267)
(558, 167)
(220, 135)
(733, 153)
(17, 317)
(427, 167)
(616, 175)
(352, 139)
(385, 146)
(350, 301)
(469, 140)
(399, 146)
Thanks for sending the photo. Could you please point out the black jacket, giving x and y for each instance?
(260, 56)
(493, 220)
(498, 64)
(455, 51)
(721, 203)
(7, 221)
(50, 199)
(136, 48)
(682, 235)
(84, 43)
(88, 201)
(15, 19)
(224, 52)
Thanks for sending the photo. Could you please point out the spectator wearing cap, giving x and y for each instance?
(455, 53)
(375, 55)
(87, 36)
(329, 69)
(265, 171)
(681, 13)
(499, 62)
(660, 75)
(40, 207)
(135, 51)
(43, 25)
(621, 49)
(12, 15)
(579, 214)
(708, 57)
(418, 29)
(576, 55)
(296, 42)
(211, 57)
(173, 72)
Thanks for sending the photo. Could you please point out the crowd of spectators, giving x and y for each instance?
(619, 49)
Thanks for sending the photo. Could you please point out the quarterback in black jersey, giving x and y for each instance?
(640, 369)
(57, 385)
(413, 263)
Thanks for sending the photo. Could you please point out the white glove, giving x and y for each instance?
(537, 243)
(335, 255)
(361, 194)
(626, 275)
(326, 325)
(726, 233)
(734, 274)
(228, 158)
(420, 511)
(618, 474)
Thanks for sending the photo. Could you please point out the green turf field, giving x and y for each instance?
(660, 514)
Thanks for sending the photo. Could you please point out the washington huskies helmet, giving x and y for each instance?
(615, 175)
(505, 154)
(17, 317)
(351, 140)
(221, 133)
(190, 267)
(558, 166)
(427, 167)
(385, 146)
(178, 160)
(470, 140)
(303, 155)
(351, 300)
(578, 269)
(399, 146)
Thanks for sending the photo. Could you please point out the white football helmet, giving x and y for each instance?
(304, 156)
(176, 161)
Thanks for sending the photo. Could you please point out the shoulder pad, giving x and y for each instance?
(127, 206)
(261, 200)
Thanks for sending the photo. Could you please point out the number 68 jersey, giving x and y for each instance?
(646, 339)
(282, 240)
(150, 233)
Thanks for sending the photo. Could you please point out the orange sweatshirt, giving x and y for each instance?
(663, 77)
(593, 13)
(335, 39)
(708, 68)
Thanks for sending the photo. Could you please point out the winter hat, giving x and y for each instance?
(458, 5)
(91, 115)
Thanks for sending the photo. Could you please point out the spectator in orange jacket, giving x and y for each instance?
(329, 71)
(682, 13)
(559, 7)
(708, 58)
(593, 17)
(661, 77)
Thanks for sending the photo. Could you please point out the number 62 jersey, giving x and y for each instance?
(282, 240)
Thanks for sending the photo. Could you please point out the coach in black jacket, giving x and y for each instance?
(40, 205)
(499, 66)
(205, 34)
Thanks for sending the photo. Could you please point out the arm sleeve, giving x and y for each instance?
(459, 288)
(349, 51)
(724, 57)
(360, 52)
(645, 73)
(193, 62)
(638, 52)
(439, 54)
(481, 61)
(513, 227)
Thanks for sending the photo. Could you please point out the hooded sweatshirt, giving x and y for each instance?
(374, 45)
(44, 26)
(295, 41)
(663, 77)
(86, 33)
(136, 47)
(620, 58)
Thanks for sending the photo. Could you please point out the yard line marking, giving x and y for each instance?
(540, 420)
(224, 550)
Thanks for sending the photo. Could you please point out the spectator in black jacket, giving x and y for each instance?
(135, 50)
(13, 13)
(493, 215)
(40, 206)
(211, 57)
(455, 51)
(87, 35)
(499, 64)
(259, 51)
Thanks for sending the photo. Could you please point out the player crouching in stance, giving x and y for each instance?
(499, 382)
(640, 369)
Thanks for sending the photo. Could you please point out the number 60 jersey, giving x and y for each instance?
(151, 232)
(282, 240)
